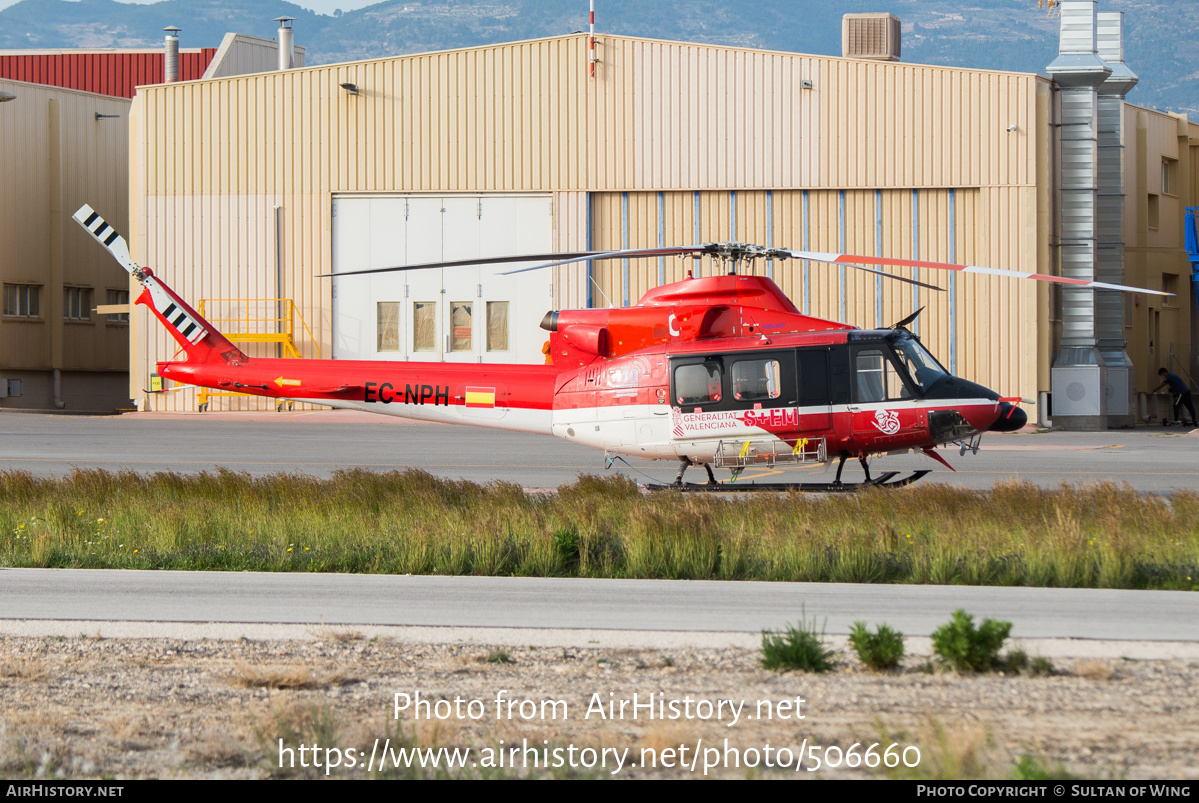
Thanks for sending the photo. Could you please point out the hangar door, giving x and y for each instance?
(463, 314)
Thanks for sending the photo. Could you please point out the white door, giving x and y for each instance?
(468, 314)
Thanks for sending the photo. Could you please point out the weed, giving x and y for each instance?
(280, 677)
(1018, 662)
(879, 650)
(1094, 670)
(945, 755)
(667, 661)
(1037, 768)
(498, 657)
(967, 649)
(798, 647)
(289, 727)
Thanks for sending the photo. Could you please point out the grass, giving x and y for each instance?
(797, 647)
(880, 650)
(1098, 536)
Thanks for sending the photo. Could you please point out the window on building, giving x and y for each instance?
(1170, 285)
(77, 303)
(497, 325)
(387, 326)
(1169, 176)
(117, 297)
(424, 326)
(22, 300)
(1154, 210)
(461, 325)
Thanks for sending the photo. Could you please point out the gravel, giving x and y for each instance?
(89, 706)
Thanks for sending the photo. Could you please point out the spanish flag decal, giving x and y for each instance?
(480, 397)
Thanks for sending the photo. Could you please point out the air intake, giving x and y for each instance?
(870, 36)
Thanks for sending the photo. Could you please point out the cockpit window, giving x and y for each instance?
(875, 378)
(922, 367)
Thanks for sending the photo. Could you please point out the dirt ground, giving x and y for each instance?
(157, 708)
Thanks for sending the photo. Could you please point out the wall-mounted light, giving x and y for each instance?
(351, 88)
(805, 83)
(5, 97)
(107, 116)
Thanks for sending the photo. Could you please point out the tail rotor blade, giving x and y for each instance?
(107, 236)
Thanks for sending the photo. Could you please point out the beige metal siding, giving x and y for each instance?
(1157, 327)
(59, 155)
(687, 121)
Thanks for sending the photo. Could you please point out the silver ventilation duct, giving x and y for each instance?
(1078, 377)
(287, 43)
(171, 73)
(1109, 221)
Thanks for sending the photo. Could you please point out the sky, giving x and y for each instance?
(319, 6)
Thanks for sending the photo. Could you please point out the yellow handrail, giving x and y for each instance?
(236, 323)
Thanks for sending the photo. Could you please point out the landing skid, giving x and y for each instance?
(884, 480)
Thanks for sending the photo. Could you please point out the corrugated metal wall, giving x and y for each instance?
(867, 160)
(59, 156)
(113, 73)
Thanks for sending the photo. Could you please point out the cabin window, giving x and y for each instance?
(756, 380)
(875, 378)
(697, 384)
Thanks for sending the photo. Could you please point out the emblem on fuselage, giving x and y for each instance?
(887, 421)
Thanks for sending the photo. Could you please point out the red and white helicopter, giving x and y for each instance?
(717, 371)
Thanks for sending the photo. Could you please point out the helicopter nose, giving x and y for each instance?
(1011, 418)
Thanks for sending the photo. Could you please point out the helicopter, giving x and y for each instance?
(720, 371)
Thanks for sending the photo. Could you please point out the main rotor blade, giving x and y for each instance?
(886, 275)
(627, 253)
(457, 263)
(845, 259)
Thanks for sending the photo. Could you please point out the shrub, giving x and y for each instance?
(1017, 662)
(967, 649)
(798, 647)
(879, 650)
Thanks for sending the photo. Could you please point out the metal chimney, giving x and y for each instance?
(1078, 378)
(171, 73)
(1109, 221)
(287, 43)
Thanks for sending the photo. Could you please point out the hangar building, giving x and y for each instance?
(251, 194)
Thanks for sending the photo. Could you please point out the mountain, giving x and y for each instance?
(989, 34)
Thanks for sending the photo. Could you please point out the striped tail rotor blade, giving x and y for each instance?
(107, 236)
(846, 259)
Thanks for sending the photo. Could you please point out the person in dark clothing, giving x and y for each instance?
(1180, 391)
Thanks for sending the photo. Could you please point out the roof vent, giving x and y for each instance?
(171, 67)
(870, 36)
(287, 43)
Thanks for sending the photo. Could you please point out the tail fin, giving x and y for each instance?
(199, 339)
